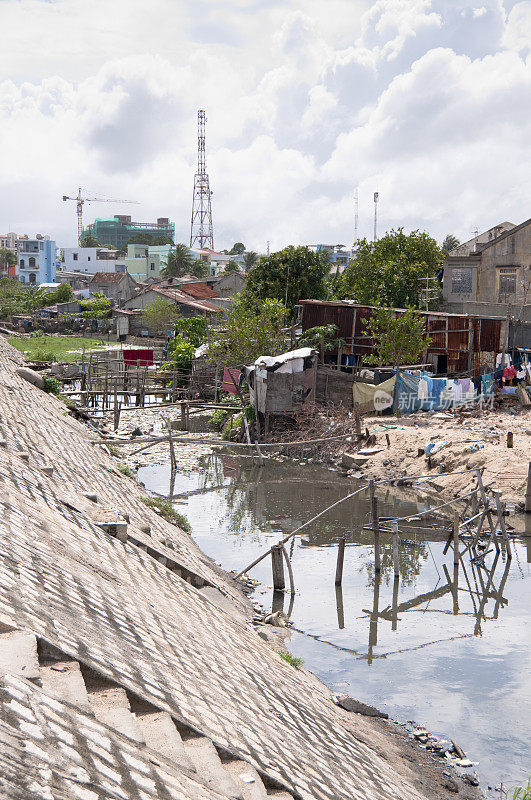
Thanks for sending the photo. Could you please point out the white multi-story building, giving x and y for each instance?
(89, 260)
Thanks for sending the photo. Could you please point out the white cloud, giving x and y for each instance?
(517, 35)
(305, 100)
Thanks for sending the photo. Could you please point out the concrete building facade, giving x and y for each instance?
(88, 260)
(36, 261)
(146, 263)
(493, 270)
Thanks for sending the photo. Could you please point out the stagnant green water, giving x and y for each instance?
(457, 662)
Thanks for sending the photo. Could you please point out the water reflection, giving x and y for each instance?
(447, 645)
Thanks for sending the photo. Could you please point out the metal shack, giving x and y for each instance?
(459, 342)
(279, 384)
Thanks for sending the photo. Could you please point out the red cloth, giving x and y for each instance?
(509, 372)
(228, 382)
(138, 358)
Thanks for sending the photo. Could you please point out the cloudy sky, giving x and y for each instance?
(427, 102)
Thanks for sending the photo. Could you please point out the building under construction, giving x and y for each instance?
(116, 231)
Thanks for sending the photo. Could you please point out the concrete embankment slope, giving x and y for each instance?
(158, 691)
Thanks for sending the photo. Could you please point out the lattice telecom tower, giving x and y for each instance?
(201, 230)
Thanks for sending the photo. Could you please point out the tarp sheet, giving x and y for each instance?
(371, 397)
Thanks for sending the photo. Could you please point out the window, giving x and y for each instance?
(88, 258)
(74, 256)
(31, 262)
(507, 280)
(152, 266)
(462, 281)
(32, 278)
(22, 263)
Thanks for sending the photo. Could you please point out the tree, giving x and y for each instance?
(180, 262)
(140, 238)
(237, 249)
(232, 266)
(391, 271)
(399, 337)
(7, 258)
(322, 338)
(96, 307)
(160, 240)
(62, 294)
(251, 328)
(450, 241)
(160, 315)
(292, 274)
(15, 297)
(89, 240)
(199, 269)
(249, 259)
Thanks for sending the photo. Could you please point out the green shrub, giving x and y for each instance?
(51, 386)
(42, 355)
(295, 661)
(519, 792)
(125, 470)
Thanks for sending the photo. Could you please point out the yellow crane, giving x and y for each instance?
(79, 200)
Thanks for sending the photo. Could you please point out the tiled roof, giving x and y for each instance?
(201, 291)
(108, 277)
(178, 296)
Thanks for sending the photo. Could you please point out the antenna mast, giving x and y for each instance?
(376, 197)
(201, 230)
(355, 217)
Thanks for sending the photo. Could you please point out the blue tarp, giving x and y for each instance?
(424, 393)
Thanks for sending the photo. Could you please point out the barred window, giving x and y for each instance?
(461, 281)
(507, 279)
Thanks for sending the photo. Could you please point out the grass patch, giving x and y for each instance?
(519, 792)
(114, 451)
(125, 470)
(295, 661)
(166, 510)
(53, 348)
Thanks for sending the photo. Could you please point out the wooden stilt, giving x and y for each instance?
(277, 564)
(396, 564)
(340, 559)
(375, 526)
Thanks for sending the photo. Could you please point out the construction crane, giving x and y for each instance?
(80, 200)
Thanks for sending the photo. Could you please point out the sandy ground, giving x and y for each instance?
(505, 468)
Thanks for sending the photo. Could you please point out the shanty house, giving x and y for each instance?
(459, 342)
(280, 384)
(187, 305)
(117, 286)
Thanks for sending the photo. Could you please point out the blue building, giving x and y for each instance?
(36, 261)
(339, 256)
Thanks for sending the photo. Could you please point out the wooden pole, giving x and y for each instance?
(456, 538)
(173, 459)
(509, 439)
(528, 490)
(396, 565)
(375, 526)
(340, 559)
(277, 564)
(290, 570)
(394, 618)
(339, 607)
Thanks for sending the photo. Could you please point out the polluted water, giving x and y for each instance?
(440, 649)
